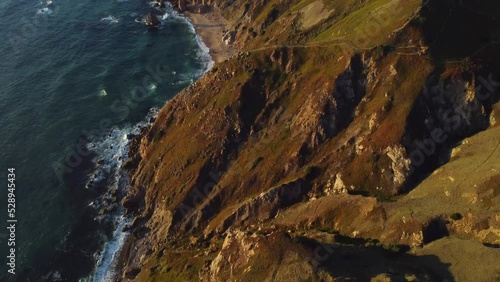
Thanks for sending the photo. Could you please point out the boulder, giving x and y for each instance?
(152, 21)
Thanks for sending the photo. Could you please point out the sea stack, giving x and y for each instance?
(152, 21)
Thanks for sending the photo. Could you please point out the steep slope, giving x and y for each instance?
(339, 131)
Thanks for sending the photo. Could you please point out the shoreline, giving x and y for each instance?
(210, 27)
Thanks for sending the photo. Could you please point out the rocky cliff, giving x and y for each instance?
(348, 140)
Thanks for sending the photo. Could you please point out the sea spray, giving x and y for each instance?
(112, 151)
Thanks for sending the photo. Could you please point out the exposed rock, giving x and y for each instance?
(284, 58)
(338, 187)
(241, 259)
(482, 226)
(264, 206)
(152, 21)
(229, 37)
(133, 202)
(313, 14)
(222, 153)
(494, 116)
(373, 123)
(393, 70)
(131, 273)
(400, 165)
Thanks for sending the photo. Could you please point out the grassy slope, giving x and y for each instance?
(469, 185)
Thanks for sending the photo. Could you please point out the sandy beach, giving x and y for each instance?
(210, 26)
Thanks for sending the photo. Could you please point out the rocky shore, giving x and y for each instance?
(211, 27)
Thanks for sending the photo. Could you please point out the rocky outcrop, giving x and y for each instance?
(229, 37)
(400, 166)
(152, 21)
(264, 206)
(242, 258)
(448, 110)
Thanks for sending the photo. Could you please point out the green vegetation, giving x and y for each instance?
(371, 24)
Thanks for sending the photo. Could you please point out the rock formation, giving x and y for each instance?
(326, 150)
(152, 21)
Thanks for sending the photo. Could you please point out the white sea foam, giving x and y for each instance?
(113, 149)
(44, 11)
(203, 52)
(106, 265)
(152, 87)
(103, 93)
(110, 19)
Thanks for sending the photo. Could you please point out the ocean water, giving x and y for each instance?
(77, 78)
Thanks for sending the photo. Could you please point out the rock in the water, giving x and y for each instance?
(152, 21)
(159, 3)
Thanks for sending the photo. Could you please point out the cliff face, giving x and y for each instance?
(343, 135)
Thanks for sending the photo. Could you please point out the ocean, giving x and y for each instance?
(78, 79)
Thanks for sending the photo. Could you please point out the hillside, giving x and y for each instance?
(347, 141)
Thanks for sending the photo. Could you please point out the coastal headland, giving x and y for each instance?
(345, 140)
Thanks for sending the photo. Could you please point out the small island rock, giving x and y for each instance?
(152, 21)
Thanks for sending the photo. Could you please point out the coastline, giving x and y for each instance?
(210, 27)
(170, 239)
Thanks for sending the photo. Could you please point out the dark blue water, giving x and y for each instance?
(76, 77)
